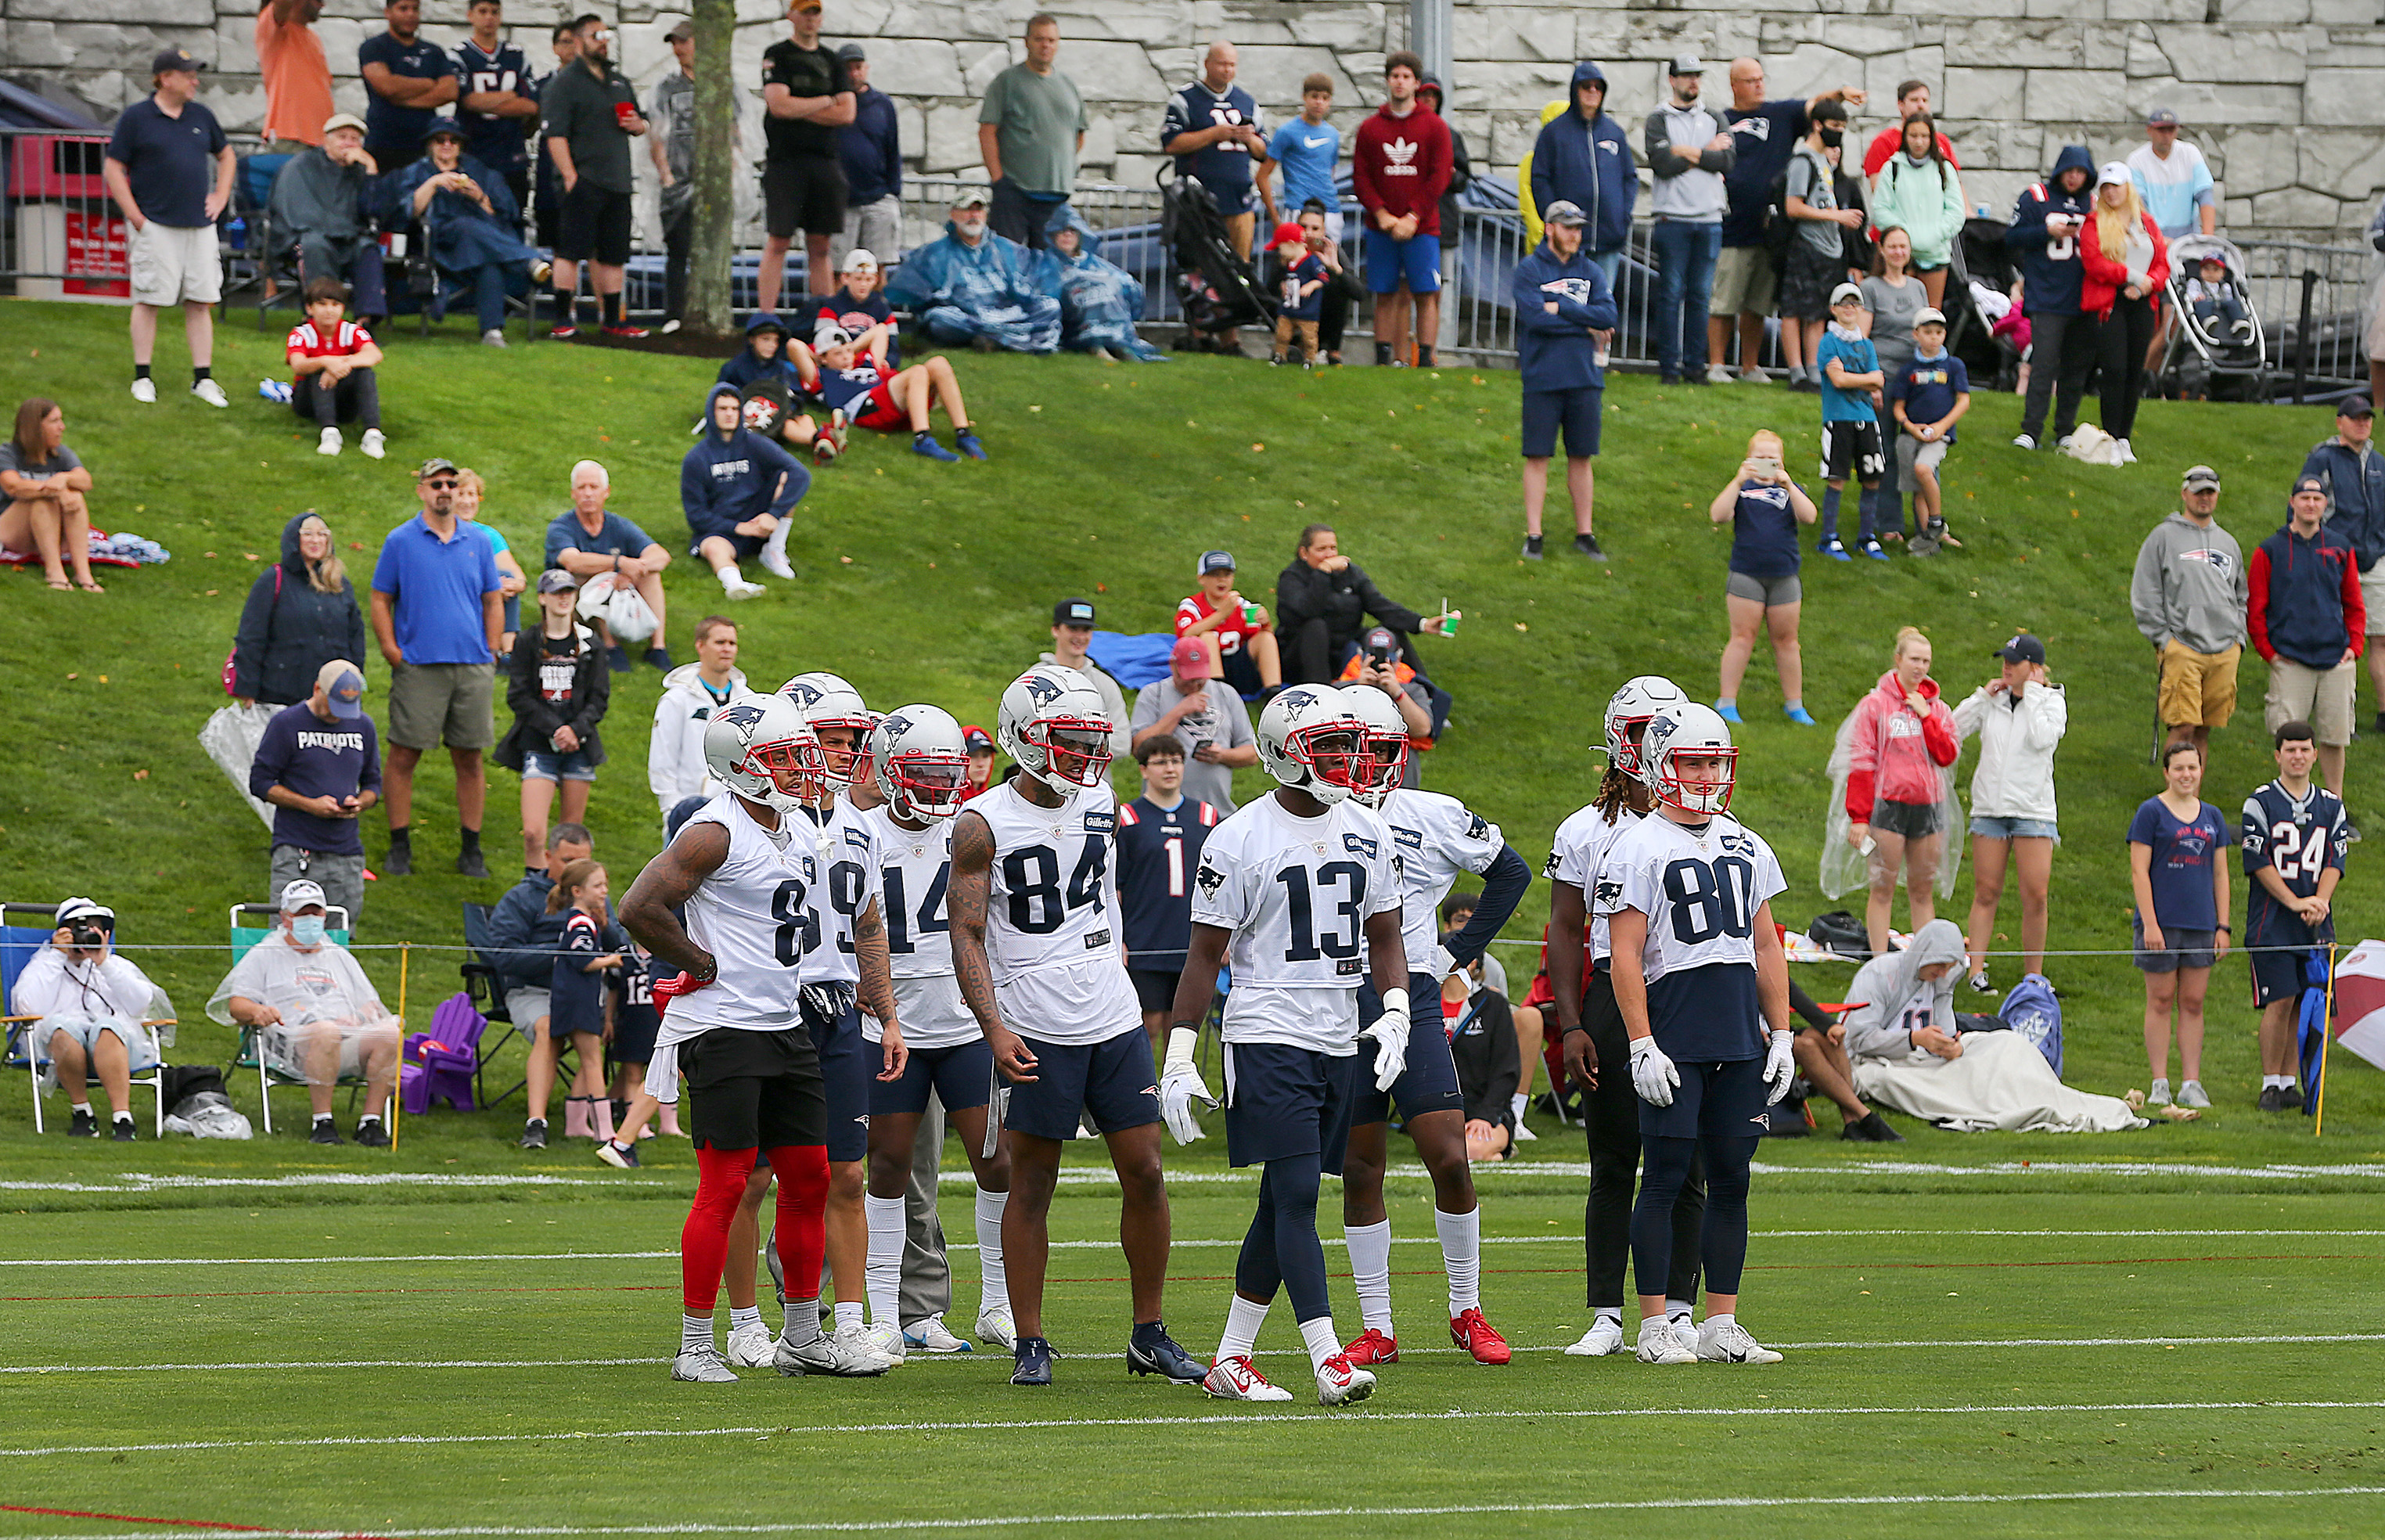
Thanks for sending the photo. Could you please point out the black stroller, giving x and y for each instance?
(1980, 256)
(1216, 290)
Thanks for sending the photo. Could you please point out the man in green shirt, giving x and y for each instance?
(588, 115)
(1030, 129)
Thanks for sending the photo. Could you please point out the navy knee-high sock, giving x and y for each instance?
(1829, 514)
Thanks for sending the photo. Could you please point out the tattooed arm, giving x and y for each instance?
(667, 882)
(965, 901)
(877, 986)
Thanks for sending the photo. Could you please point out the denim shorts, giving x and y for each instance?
(547, 765)
(1986, 828)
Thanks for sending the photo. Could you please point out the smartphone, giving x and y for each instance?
(1765, 468)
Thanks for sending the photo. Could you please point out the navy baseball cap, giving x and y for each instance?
(170, 60)
(2161, 116)
(1073, 612)
(977, 740)
(2354, 405)
(555, 579)
(343, 688)
(2022, 649)
(1216, 561)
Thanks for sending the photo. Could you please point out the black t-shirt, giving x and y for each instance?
(558, 666)
(805, 72)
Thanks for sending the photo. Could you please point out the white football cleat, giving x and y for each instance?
(932, 1335)
(1240, 1379)
(209, 392)
(996, 1328)
(328, 441)
(1341, 1383)
(887, 1340)
(1603, 1338)
(1731, 1345)
(145, 390)
(1659, 1344)
(828, 1355)
(374, 445)
(752, 1346)
(702, 1366)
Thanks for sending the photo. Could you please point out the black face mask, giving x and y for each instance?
(1830, 138)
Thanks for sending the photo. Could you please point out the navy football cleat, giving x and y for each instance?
(1034, 1357)
(1153, 1351)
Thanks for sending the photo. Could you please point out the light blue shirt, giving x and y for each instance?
(2173, 188)
(1307, 153)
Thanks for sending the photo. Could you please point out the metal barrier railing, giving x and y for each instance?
(2311, 300)
(61, 237)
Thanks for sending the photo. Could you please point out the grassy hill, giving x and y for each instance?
(921, 581)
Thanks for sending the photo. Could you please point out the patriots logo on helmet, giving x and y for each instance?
(896, 725)
(1660, 728)
(1209, 879)
(803, 695)
(744, 718)
(1295, 703)
(1040, 689)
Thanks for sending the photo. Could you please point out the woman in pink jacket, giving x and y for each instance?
(1903, 748)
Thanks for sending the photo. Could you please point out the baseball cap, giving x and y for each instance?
(1929, 316)
(1845, 291)
(172, 59)
(2163, 116)
(683, 33)
(555, 580)
(1216, 561)
(442, 126)
(1073, 612)
(2022, 649)
(85, 909)
(1686, 63)
(344, 684)
(831, 335)
(977, 740)
(343, 120)
(1189, 659)
(805, 6)
(1565, 211)
(1288, 233)
(969, 198)
(2308, 484)
(435, 466)
(2114, 174)
(860, 259)
(298, 895)
(2354, 405)
(852, 53)
(2201, 476)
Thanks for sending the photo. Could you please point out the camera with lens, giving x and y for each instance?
(86, 935)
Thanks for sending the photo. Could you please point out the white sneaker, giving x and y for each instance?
(493, 337)
(1755, 377)
(327, 443)
(209, 392)
(1658, 1345)
(775, 562)
(1604, 1339)
(888, 1340)
(1685, 1329)
(2192, 1095)
(752, 1346)
(996, 1329)
(2127, 456)
(1240, 1379)
(374, 445)
(702, 1366)
(2064, 442)
(145, 390)
(2159, 1093)
(2022, 441)
(737, 588)
(1339, 1382)
(1719, 374)
(932, 1335)
(828, 1355)
(1731, 1345)
(670, 326)
(1524, 1135)
(857, 1338)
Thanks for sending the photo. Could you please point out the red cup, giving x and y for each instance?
(623, 112)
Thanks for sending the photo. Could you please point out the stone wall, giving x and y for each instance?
(2287, 97)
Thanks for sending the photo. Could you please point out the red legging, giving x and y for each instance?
(801, 1170)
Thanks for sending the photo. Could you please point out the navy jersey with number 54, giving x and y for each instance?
(1701, 890)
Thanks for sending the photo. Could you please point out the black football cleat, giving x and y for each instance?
(1034, 1362)
(1153, 1351)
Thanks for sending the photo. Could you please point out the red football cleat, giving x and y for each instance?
(1372, 1348)
(1472, 1333)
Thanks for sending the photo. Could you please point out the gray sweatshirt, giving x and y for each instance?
(1690, 191)
(1896, 1001)
(2189, 584)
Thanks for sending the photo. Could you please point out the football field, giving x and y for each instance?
(2165, 1347)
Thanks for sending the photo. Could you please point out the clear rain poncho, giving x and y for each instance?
(1844, 869)
(1100, 301)
(329, 1010)
(961, 293)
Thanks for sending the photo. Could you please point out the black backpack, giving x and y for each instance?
(1779, 229)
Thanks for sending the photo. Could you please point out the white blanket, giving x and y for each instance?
(2002, 1081)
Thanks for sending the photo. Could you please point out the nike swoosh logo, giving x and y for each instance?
(1312, 144)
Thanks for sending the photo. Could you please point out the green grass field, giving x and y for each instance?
(2180, 1311)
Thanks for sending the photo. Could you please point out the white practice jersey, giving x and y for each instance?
(1577, 856)
(1296, 893)
(1700, 891)
(751, 915)
(1438, 837)
(846, 852)
(1052, 931)
(914, 867)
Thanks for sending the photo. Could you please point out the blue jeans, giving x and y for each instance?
(1685, 257)
(1611, 263)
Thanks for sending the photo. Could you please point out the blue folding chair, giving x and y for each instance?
(24, 1048)
(251, 924)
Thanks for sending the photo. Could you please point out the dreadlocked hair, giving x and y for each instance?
(1614, 794)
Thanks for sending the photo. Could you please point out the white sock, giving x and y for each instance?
(993, 1287)
(127, 1117)
(1679, 1309)
(1461, 1255)
(368, 1118)
(1371, 1270)
(848, 1314)
(1519, 1101)
(885, 1273)
(803, 1323)
(777, 542)
(1322, 1344)
(741, 1316)
(83, 1108)
(695, 1333)
(2277, 1082)
(1719, 1320)
(729, 576)
(1242, 1322)
(1609, 1313)
(322, 1117)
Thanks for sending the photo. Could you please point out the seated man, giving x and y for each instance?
(319, 1016)
(854, 383)
(1100, 301)
(1377, 665)
(739, 492)
(976, 287)
(318, 201)
(589, 541)
(1321, 602)
(92, 1005)
(473, 223)
(1241, 641)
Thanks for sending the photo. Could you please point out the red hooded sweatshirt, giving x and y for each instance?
(1896, 752)
(1402, 165)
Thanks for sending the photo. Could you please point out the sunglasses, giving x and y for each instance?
(441, 485)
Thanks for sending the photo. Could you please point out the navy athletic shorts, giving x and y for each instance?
(1110, 1084)
(961, 1076)
(848, 1067)
(1430, 1082)
(1281, 1100)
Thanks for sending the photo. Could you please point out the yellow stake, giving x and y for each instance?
(405, 950)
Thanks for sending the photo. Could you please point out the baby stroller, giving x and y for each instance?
(1983, 276)
(1217, 289)
(2225, 343)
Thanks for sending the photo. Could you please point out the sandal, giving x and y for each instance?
(88, 585)
(60, 584)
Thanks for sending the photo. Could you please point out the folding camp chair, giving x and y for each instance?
(251, 924)
(486, 988)
(24, 1046)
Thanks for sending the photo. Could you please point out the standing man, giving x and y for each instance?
(1688, 155)
(319, 763)
(807, 98)
(1030, 130)
(157, 171)
(1816, 264)
(1911, 101)
(1307, 147)
(1766, 134)
(564, 41)
(1207, 721)
(497, 107)
(2295, 836)
(2354, 475)
(2174, 178)
(672, 147)
(1399, 167)
(871, 148)
(1564, 310)
(1159, 840)
(588, 540)
(297, 76)
(2190, 594)
(1583, 157)
(1212, 128)
(407, 80)
(2307, 621)
(1072, 632)
(588, 116)
(437, 612)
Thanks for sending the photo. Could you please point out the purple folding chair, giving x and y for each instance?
(439, 1065)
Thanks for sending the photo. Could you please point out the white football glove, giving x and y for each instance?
(1180, 1085)
(1653, 1074)
(1389, 1031)
(1780, 1067)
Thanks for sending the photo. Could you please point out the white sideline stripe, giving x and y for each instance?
(1211, 1419)
(992, 1357)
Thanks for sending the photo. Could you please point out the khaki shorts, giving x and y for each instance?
(171, 265)
(2372, 594)
(1239, 230)
(2198, 689)
(431, 704)
(2320, 697)
(1743, 283)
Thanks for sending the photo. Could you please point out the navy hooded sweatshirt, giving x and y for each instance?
(2050, 268)
(749, 366)
(729, 478)
(1587, 163)
(1554, 351)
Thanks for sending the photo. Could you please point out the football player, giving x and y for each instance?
(1703, 986)
(1436, 837)
(1036, 950)
(1300, 888)
(920, 761)
(733, 1023)
(1582, 981)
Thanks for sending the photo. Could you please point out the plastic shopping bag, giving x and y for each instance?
(230, 737)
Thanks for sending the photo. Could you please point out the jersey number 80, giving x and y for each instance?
(1711, 898)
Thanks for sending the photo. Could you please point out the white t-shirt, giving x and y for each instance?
(1296, 894)
(846, 853)
(1438, 837)
(325, 984)
(1052, 931)
(1578, 855)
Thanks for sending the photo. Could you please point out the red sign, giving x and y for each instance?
(98, 260)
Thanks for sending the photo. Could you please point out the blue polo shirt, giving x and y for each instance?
(169, 162)
(434, 587)
(393, 133)
(616, 537)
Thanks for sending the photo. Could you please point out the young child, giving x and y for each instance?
(769, 380)
(859, 306)
(332, 362)
(1303, 303)
(558, 691)
(576, 997)
(1852, 381)
(2215, 304)
(855, 386)
(1930, 394)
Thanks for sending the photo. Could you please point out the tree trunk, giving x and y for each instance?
(714, 238)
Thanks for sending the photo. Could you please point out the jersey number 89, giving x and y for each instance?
(1710, 899)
